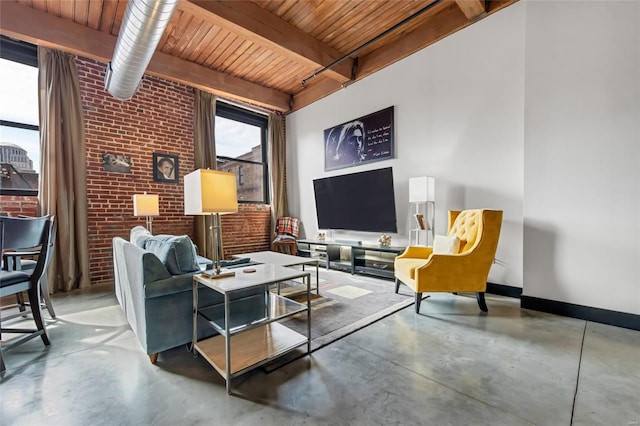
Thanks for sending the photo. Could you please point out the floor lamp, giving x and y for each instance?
(146, 205)
(211, 192)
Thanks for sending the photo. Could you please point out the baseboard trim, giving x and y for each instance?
(588, 313)
(504, 290)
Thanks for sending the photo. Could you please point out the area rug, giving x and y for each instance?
(346, 303)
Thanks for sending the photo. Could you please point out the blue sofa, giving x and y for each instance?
(153, 285)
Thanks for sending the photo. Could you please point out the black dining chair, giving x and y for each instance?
(17, 234)
(29, 265)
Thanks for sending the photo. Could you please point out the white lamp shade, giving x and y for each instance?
(145, 205)
(210, 191)
(422, 189)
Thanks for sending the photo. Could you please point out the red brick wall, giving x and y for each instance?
(248, 230)
(159, 118)
(14, 205)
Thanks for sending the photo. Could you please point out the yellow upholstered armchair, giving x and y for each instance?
(464, 265)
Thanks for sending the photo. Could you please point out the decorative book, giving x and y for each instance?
(420, 220)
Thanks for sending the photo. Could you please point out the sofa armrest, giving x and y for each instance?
(451, 272)
(171, 285)
(133, 267)
(417, 252)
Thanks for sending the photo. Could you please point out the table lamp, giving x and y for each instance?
(146, 205)
(211, 192)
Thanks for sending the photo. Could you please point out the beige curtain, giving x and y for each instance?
(204, 124)
(277, 163)
(62, 188)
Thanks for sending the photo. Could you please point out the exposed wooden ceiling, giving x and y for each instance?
(258, 51)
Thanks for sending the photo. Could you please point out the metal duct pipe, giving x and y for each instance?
(143, 24)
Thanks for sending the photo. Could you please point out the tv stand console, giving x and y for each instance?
(368, 259)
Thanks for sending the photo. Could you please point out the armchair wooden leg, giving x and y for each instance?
(397, 285)
(481, 302)
(153, 358)
(418, 300)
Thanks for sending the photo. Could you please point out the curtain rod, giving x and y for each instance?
(373, 40)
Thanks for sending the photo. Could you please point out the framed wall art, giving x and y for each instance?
(116, 163)
(165, 168)
(359, 141)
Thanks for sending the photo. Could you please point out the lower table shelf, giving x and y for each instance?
(251, 348)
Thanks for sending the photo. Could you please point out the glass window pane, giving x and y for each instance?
(238, 140)
(250, 179)
(19, 148)
(27, 142)
(19, 92)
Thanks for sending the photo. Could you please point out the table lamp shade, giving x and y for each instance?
(145, 205)
(421, 189)
(210, 191)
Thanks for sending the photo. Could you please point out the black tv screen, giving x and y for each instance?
(358, 201)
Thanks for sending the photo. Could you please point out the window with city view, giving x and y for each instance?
(241, 149)
(19, 135)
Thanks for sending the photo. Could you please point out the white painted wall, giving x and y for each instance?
(534, 110)
(458, 117)
(582, 153)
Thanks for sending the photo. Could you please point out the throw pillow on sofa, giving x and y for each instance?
(138, 236)
(177, 253)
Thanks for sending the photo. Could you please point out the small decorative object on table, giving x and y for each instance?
(385, 240)
(320, 236)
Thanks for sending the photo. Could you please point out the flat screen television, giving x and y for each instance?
(361, 201)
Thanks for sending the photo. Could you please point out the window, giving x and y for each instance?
(240, 175)
(19, 131)
(241, 148)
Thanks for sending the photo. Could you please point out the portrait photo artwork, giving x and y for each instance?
(359, 141)
(165, 168)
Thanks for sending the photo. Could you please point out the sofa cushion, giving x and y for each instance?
(153, 269)
(138, 236)
(177, 253)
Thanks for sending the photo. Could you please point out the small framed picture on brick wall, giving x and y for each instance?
(165, 168)
(116, 163)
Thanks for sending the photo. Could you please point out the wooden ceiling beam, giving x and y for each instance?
(250, 21)
(37, 27)
(472, 9)
(447, 19)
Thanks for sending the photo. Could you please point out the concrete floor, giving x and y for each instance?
(450, 365)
